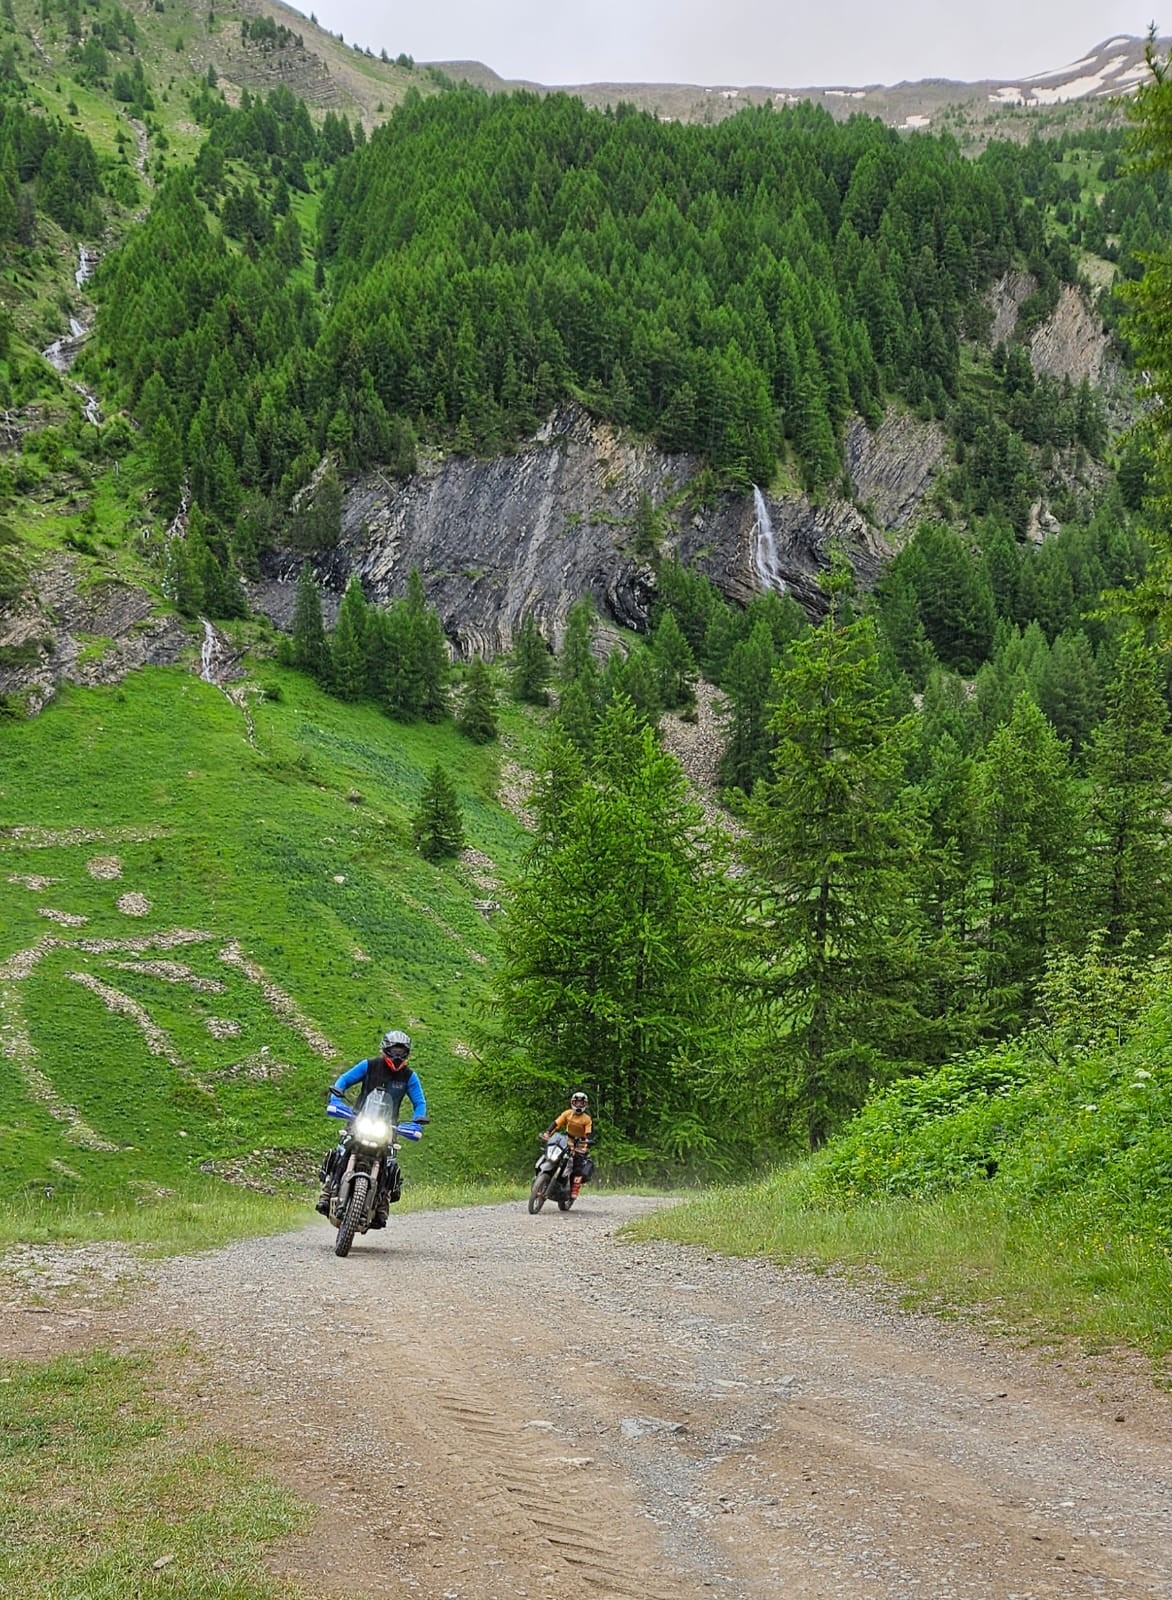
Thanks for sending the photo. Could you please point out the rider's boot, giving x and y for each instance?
(323, 1199)
(575, 1188)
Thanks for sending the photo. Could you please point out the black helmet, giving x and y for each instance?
(396, 1045)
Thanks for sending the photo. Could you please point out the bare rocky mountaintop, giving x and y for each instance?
(1112, 69)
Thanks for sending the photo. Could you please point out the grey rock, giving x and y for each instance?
(532, 532)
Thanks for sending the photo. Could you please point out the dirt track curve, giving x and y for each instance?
(554, 1411)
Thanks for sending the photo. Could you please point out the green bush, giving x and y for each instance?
(1079, 1112)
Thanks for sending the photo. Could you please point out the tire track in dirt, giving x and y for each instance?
(486, 1404)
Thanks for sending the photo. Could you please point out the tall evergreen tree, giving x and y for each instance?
(831, 935)
(747, 685)
(531, 664)
(418, 668)
(1130, 834)
(437, 826)
(349, 643)
(310, 651)
(675, 666)
(477, 720)
(605, 966)
(1030, 819)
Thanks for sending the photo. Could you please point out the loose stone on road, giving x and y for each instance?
(490, 1404)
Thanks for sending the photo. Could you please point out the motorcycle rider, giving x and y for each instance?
(388, 1071)
(579, 1126)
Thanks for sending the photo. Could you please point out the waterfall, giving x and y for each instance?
(87, 260)
(208, 652)
(765, 562)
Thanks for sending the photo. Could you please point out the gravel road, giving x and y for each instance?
(490, 1404)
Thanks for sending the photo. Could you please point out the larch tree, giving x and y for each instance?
(605, 976)
(830, 933)
(477, 719)
(1129, 866)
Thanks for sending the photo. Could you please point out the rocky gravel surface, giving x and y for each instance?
(489, 1404)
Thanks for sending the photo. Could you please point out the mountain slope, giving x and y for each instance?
(210, 906)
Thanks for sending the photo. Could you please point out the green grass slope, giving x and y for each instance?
(206, 913)
(1031, 1184)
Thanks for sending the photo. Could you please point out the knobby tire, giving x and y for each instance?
(353, 1214)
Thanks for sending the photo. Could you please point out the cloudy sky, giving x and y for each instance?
(782, 43)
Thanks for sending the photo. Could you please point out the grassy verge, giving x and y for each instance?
(200, 1217)
(1045, 1278)
(104, 1493)
(204, 1216)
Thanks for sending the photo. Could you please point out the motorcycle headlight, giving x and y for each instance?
(554, 1152)
(371, 1129)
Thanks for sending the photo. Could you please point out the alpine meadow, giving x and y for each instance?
(675, 607)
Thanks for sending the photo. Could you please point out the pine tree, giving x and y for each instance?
(437, 826)
(477, 719)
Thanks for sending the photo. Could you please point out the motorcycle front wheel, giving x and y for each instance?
(353, 1214)
(538, 1192)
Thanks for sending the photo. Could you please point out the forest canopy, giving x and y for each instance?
(736, 292)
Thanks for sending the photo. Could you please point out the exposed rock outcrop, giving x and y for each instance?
(1072, 342)
(894, 467)
(69, 630)
(532, 532)
(1009, 294)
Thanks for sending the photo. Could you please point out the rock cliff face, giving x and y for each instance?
(70, 630)
(534, 531)
(1072, 343)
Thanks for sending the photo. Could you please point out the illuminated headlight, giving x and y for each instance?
(372, 1129)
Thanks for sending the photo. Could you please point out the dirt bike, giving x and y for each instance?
(552, 1174)
(365, 1154)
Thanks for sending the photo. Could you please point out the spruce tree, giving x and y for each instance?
(531, 664)
(477, 719)
(437, 826)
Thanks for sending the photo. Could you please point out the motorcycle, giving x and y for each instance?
(367, 1150)
(552, 1174)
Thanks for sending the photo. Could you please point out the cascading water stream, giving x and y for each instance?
(62, 353)
(765, 562)
(208, 651)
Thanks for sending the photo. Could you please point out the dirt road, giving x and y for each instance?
(495, 1405)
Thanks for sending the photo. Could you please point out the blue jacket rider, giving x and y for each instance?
(389, 1071)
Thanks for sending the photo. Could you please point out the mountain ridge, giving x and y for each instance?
(1115, 66)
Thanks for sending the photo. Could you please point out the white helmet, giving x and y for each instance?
(578, 1100)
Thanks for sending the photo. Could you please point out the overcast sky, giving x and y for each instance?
(781, 43)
